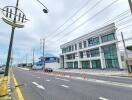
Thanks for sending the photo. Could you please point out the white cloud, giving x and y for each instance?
(41, 25)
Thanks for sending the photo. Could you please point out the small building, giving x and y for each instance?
(128, 58)
(47, 62)
(95, 50)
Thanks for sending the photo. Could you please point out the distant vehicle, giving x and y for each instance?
(37, 66)
(48, 70)
(2, 70)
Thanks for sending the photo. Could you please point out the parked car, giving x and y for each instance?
(48, 70)
(2, 70)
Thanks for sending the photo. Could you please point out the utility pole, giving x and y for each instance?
(43, 53)
(26, 59)
(11, 58)
(130, 4)
(11, 42)
(126, 56)
(33, 56)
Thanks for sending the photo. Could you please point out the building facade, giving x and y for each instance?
(48, 62)
(95, 50)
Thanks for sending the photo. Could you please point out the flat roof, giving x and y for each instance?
(102, 30)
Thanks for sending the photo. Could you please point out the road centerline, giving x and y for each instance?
(48, 80)
(38, 86)
(65, 86)
(102, 98)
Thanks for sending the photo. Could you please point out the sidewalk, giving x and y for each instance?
(98, 72)
(1, 77)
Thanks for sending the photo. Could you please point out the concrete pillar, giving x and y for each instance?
(61, 61)
(78, 59)
(102, 59)
(119, 57)
(80, 65)
(73, 65)
(91, 64)
(65, 65)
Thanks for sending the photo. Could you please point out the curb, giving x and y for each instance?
(5, 91)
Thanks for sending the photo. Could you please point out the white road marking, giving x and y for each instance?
(57, 78)
(62, 79)
(101, 98)
(35, 83)
(39, 86)
(38, 77)
(67, 76)
(65, 86)
(110, 83)
(80, 78)
(48, 80)
(100, 81)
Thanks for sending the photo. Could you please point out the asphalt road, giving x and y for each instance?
(38, 86)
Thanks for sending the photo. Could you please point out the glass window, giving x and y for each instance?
(64, 50)
(71, 56)
(75, 46)
(96, 64)
(85, 64)
(93, 41)
(94, 52)
(85, 44)
(90, 42)
(75, 65)
(70, 65)
(69, 49)
(108, 37)
(88, 53)
(110, 55)
(81, 54)
(72, 48)
(80, 45)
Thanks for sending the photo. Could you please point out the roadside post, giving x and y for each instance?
(14, 17)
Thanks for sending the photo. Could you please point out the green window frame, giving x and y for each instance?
(110, 55)
(94, 52)
(108, 37)
(75, 65)
(96, 64)
(85, 44)
(85, 64)
(70, 65)
(80, 45)
(81, 54)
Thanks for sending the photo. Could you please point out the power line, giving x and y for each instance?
(117, 30)
(125, 22)
(70, 17)
(123, 18)
(80, 17)
(89, 19)
(106, 22)
(118, 16)
(125, 27)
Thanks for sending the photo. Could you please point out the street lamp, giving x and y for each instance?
(16, 19)
(45, 10)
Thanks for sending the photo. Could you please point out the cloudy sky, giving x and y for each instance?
(88, 15)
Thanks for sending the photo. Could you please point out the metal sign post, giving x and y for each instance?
(16, 18)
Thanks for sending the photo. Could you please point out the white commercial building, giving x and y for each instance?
(97, 50)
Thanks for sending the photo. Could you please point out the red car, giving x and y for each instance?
(48, 70)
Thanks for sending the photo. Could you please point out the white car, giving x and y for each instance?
(2, 70)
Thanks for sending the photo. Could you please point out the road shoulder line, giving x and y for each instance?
(19, 93)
